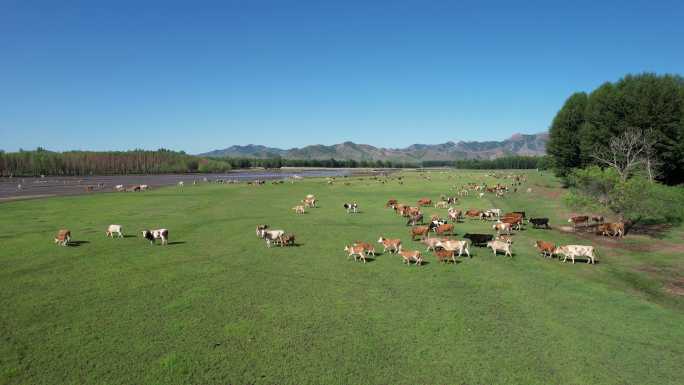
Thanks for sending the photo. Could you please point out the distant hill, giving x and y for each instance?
(518, 144)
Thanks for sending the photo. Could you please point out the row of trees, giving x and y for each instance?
(43, 162)
(635, 125)
(503, 163)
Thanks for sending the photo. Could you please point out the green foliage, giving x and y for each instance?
(563, 145)
(503, 163)
(646, 102)
(636, 199)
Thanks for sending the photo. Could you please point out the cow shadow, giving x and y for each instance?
(129, 236)
(176, 243)
(77, 243)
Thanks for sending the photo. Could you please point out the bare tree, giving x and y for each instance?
(651, 161)
(626, 152)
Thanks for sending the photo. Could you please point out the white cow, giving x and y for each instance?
(574, 251)
(114, 229)
(500, 246)
(153, 235)
(180, 184)
(460, 246)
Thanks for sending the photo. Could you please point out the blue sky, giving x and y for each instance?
(197, 76)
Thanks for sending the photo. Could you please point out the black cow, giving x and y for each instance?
(479, 239)
(539, 222)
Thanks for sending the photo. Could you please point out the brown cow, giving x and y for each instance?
(63, 237)
(473, 214)
(424, 202)
(445, 255)
(391, 203)
(393, 245)
(370, 249)
(418, 231)
(445, 228)
(578, 219)
(612, 229)
(545, 248)
(412, 256)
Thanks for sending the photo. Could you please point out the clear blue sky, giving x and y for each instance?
(197, 76)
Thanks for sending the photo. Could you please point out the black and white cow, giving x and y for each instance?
(351, 207)
(153, 235)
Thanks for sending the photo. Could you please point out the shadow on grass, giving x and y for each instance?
(176, 243)
(77, 243)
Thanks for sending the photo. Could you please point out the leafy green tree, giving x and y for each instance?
(564, 141)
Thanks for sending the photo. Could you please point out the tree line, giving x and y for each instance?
(598, 128)
(163, 161)
(618, 148)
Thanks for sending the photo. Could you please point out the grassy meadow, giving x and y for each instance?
(216, 306)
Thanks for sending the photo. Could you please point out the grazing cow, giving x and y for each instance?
(494, 212)
(578, 220)
(114, 229)
(119, 187)
(472, 214)
(455, 215)
(423, 231)
(370, 249)
(260, 229)
(393, 245)
(181, 184)
(412, 256)
(431, 243)
(272, 236)
(539, 222)
(153, 235)
(424, 202)
(501, 227)
(351, 207)
(144, 187)
(441, 205)
(391, 203)
(445, 256)
(500, 246)
(504, 238)
(357, 252)
(309, 202)
(414, 211)
(415, 219)
(63, 237)
(435, 222)
(299, 209)
(479, 239)
(444, 229)
(287, 240)
(574, 251)
(460, 246)
(612, 229)
(545, 248)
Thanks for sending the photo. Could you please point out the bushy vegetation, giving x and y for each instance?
(503, 163)
(649, 105)
(635, 199)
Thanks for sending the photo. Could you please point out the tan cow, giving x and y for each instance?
(393, 245)
(412, 256)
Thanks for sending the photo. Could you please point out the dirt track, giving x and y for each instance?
(37, 187)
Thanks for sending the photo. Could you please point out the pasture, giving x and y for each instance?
(216, 306)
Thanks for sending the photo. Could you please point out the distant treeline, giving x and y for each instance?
(503, 163)
(162, 161)
(43, 162)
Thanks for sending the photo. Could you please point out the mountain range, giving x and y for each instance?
(518, 144)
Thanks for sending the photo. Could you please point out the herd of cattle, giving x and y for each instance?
(446, 249)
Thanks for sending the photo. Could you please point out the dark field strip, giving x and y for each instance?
(216, 306)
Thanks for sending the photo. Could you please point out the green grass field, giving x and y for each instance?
(216, 306)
